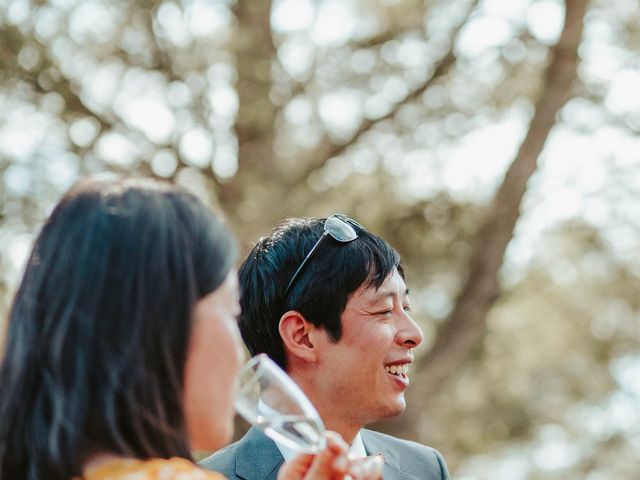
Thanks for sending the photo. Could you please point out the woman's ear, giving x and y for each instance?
(295, 332)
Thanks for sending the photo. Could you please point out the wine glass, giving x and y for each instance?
(269, 399)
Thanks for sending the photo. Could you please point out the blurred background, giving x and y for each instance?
(494, 143)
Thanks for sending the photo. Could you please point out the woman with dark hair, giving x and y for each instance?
(122, 345)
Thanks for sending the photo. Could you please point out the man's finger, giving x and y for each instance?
(296, 468)
(368, 468)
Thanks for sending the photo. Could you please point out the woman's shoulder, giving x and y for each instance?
(152, 469)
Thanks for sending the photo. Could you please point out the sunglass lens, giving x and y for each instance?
(339, 229)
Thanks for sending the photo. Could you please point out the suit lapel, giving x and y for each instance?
(374, 445)
(259, 457)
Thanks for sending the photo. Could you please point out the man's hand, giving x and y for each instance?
(367, 468)
(332, 463)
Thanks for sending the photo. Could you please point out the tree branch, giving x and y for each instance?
(442, 67)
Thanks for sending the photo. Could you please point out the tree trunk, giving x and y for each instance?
(465, 327)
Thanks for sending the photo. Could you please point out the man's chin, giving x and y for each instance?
(394, 409)
(387, 413)
(399, 410)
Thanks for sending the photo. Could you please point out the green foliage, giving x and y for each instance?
(367, 117)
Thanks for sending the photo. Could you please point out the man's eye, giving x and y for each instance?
(407, 308)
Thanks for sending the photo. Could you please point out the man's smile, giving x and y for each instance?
(400, 373)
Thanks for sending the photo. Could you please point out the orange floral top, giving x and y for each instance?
(152, 469)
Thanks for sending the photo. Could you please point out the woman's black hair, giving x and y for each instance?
(99, 329)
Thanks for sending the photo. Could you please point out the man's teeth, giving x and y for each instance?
(397, 369)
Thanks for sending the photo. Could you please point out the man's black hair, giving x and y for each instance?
(320, 292)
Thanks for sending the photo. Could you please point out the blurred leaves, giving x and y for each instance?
(404, 114)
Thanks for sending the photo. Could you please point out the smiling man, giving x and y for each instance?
(327, 300)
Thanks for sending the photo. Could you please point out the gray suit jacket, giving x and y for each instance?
(256, 457)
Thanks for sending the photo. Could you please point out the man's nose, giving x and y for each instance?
(409, 333)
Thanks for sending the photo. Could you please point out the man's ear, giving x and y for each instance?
(296, 333)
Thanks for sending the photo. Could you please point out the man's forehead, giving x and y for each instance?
(393, 285)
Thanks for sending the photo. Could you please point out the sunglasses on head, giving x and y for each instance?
(340, 228)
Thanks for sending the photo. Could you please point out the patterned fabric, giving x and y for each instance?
(153, 469)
